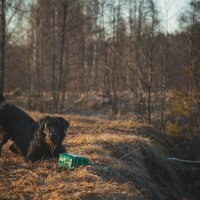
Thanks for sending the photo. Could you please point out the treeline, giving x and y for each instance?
(98, 45)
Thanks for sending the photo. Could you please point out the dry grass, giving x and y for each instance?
(126, 165)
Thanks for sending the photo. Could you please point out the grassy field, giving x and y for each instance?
(127, 164)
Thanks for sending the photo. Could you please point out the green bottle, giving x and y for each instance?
(72, 160)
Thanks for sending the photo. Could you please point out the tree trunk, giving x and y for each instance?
(2, 48)
(164, 72)
(60, 82)
(54, 26)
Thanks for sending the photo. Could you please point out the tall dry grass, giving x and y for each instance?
(126, 165)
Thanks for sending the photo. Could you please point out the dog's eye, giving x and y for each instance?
(48, 128)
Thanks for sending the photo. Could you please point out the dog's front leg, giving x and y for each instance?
(4, 137)
(13, 147)
(60, 149)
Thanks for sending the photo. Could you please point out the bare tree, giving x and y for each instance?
(165, 64)
(11, 18)
(191, 24)
(2, 48)
(62, 46)
(153, 24)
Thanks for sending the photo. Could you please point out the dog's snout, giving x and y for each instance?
(54, 137)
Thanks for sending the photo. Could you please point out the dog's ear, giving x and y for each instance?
(42, 121)
(38, 129)
(63, 123)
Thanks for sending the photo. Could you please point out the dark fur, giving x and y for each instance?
(29, 136)
(16, 125)
(40, 147)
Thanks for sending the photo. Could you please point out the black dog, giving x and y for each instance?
(34, 140)
(16, 125)
(48, 138)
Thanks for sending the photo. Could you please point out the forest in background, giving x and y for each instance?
(117, 62)
(54, 51)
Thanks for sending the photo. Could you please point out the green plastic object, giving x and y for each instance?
(69, 160)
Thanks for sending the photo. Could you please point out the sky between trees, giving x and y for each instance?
(174, 8)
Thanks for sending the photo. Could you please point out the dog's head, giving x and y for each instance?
(53, 129)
